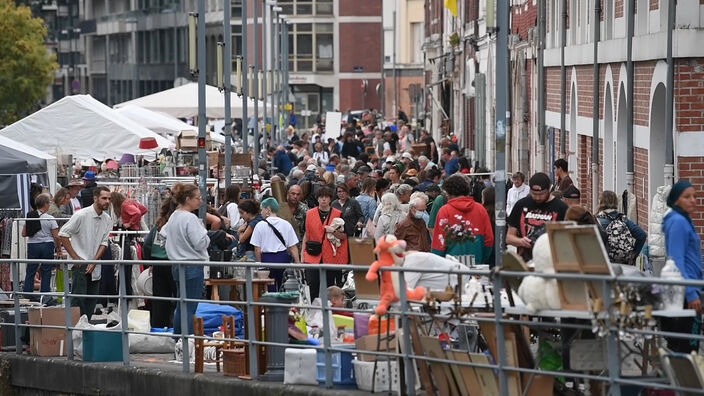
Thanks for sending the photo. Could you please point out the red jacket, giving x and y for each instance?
(132, 212)
(315, 231)
(467, 209)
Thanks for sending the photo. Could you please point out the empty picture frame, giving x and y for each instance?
(578, 249)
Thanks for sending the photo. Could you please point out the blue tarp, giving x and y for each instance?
(212, 317)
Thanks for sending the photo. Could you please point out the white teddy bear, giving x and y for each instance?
(536, 292)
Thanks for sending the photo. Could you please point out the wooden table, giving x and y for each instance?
(259, 287)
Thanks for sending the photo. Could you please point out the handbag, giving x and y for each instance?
(314, 248)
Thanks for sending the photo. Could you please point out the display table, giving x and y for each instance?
(259, 287)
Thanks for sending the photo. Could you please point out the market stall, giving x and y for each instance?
(83, 127)
(182, 102)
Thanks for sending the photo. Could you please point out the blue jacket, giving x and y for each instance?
(452, 166)
(683, 245)
(282, 162)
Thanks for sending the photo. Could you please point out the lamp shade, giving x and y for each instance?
(148, 143)
(127, 159)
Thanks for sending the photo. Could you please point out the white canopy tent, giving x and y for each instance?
(161, 123)
(50, 159)
(182, 102)
(164, 124)
(84, 127)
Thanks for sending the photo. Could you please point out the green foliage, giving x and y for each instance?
(26, 66)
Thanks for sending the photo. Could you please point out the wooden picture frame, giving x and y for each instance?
(362, 253)
(578, 249)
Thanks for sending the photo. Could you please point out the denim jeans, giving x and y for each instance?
(42, 250)
(194, 289)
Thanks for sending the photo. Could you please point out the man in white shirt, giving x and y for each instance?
(85, 237)
(274, 240)
(518, 191)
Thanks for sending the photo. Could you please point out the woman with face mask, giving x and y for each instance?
(413, 228)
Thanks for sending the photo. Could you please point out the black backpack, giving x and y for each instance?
(32, 226)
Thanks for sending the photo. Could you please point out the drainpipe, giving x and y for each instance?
(595, 109)
(630, 186)
(563, 83)
(540, 158)
(524, 144)
(669, 100)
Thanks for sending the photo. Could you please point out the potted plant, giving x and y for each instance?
(454, 39)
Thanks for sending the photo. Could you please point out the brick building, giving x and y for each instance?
(650, 70)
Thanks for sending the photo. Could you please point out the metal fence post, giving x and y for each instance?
(184, 319)
(612, 347)
(67, 310)
(252, 335)
(326, 327)
(407, 364)
(16, 295)
(123, 314)
(500, 346)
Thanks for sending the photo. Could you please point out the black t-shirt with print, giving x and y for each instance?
(529, 219)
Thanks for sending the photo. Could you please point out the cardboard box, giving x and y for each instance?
(49, 342)
(188, 140)
(369, 343)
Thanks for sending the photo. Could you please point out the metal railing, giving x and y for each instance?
(404, 311)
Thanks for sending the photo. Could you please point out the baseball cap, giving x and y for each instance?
(571, 192)
(364, 169)
(407, 155)
(411, 172)
(311, 168)
(541, 180)
(391, 159)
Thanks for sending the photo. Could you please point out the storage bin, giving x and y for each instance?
(102, 346)
(342, 369)
(364, 371)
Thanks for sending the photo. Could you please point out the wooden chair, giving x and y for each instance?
(228, 323)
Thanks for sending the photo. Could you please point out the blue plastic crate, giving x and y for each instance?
(342, 367)
(102, 346)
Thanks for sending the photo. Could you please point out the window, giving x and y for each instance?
(416, 42)
(311, 47)
(306, 7)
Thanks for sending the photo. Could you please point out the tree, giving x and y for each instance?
(26, 66)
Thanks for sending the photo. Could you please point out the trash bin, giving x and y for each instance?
(276, 325)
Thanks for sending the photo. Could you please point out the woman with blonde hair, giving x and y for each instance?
(61, 198)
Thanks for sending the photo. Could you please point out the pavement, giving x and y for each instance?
(148, 375)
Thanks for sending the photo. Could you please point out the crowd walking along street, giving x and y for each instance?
(433, 197)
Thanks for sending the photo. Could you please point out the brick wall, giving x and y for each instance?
(552, 89)
(689, 95)
(357, 39)
(523, 19)
(618, 9)
(692, 169)
(640, 170)
(643, 75)
(584, 157)
(351, 94)
(359, 8)
(404, 100)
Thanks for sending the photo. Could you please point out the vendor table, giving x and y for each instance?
(259, 287)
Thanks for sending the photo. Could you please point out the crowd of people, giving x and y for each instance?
(368, 182)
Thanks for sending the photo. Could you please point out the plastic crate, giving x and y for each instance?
(342, 368)
(102, 346)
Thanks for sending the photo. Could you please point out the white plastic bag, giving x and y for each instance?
(142, 343)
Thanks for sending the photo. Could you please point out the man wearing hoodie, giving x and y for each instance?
(462, 226)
